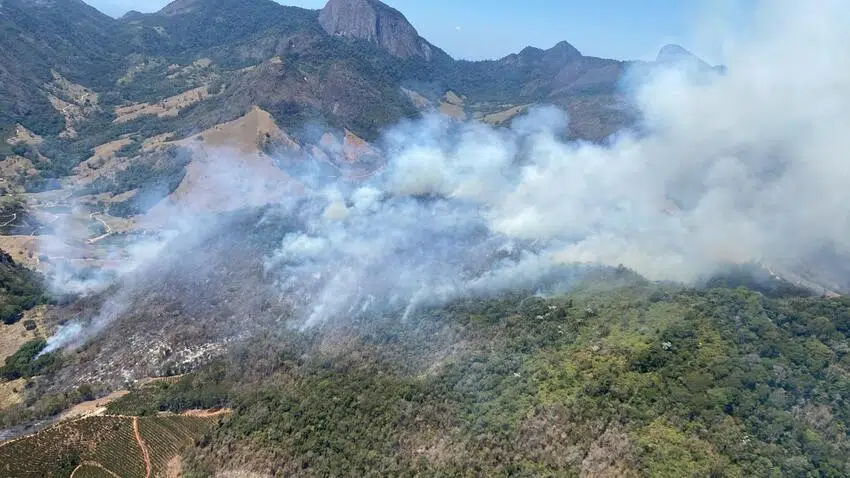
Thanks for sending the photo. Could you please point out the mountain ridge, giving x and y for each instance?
(363, 39)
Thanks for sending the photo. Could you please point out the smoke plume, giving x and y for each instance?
(742, 167)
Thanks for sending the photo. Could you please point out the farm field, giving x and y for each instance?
(104, 446)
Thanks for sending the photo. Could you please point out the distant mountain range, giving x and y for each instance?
(357, 64)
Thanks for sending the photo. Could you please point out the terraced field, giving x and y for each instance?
(104, 446)
(92, 470)
(166, 436)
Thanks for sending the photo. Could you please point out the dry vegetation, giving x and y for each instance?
(354, 148)
(418, 100)
(157, 141)
(168, 107)
(11, 392)
(452, 105)
(24, 136)
(200, 188)
(91, 407)
(13, 336)
(245, 134)
(16, 168)
(72, 101)
(504, 116)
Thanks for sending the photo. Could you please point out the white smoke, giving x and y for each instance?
(63, 336)
(737, 168)
(747, 167)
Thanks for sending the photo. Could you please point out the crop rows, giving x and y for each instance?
(91, 471)
(62, 446)
(105, 440)
(121, 453)
(166, 436)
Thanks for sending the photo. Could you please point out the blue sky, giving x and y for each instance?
(482, 29)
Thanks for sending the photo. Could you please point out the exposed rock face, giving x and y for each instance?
(375, 22)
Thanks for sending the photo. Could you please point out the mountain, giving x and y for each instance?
(351, 58)
(187, 29)
(37, 38)
(377, 23)
(559, 54)
(677, 55)
(355, 65)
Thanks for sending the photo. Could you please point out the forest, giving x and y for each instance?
(618, 376)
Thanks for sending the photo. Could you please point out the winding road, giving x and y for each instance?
(145, 454)
(105, 225)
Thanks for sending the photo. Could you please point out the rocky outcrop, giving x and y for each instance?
(376, 23)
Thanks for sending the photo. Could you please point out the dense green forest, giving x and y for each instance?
(619, 376)
(20, 289)
(27, 362)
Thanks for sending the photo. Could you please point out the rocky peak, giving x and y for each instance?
(562, 52)
(557, 56)
(672, 54)
(374, 22)
(680, 57)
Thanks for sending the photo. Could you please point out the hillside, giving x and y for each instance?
(65, 36)
(629, 381)
(618, 378)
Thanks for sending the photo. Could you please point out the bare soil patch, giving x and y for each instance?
(13, 336)
(212, 412)
(10, 393)
(174, 468)
(91, 407)
(23, 249)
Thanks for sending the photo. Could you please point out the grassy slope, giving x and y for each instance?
(633, 379)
